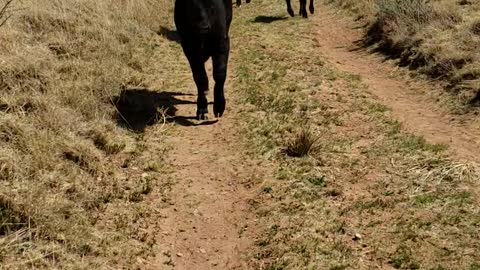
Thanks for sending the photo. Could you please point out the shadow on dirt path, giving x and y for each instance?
(139, 108)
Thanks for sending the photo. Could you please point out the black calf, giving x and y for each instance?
(303, 8)
(203, 27)
(239, 2)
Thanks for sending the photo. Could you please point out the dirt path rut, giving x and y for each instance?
(411, 101)
(208, 225)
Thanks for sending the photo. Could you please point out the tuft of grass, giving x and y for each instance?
(302, 144)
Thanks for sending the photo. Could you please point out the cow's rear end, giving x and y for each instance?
(203, 27)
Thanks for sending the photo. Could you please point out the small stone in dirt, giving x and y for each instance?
(357, 237)
(179, 254)
(203, 251)
(215, 263)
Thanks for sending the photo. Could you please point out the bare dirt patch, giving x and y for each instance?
(208, 224)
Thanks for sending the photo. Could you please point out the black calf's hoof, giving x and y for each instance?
(202, 114)
(290, 12)
(219, 108)
(312, 10)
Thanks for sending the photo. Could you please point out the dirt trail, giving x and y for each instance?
(208, 225)
(410, 101)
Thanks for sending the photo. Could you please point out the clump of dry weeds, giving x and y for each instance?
(302, 144)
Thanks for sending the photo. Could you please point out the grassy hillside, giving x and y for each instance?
(73, 180)
(439, 38)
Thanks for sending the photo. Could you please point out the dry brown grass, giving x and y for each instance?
(72, 181)
(438, 38)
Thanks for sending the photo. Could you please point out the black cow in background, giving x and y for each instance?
(303, 8)
(239, 2)
(203, 27)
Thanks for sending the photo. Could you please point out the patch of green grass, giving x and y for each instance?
(474, 266)
(339, 267)
(413, 142)
(403, 259)
(425, 199)
(318, 181)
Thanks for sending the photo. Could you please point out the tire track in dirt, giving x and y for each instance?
(209, 225)
(410, 101)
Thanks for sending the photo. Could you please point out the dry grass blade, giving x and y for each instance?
(302, 144)
(14, 239)
(4, 16)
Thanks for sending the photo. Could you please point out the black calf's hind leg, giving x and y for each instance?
(239, 3)
(289, 8)
(311, 7)
(220, 63)
(201, 80)
(303, 8)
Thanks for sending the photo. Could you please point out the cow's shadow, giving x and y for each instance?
(138, 108)
(269, 19)
(169, 34)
